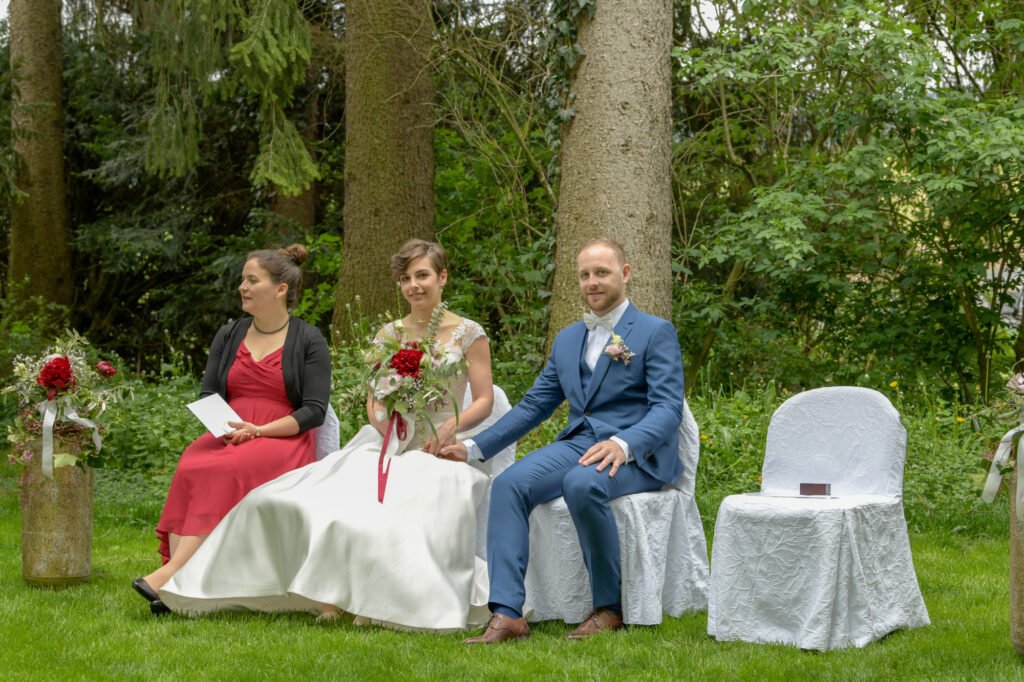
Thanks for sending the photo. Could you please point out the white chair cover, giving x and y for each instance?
(492, 467)
(819, 573)
(327, 435)
(662, 547)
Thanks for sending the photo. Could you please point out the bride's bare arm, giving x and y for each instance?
(478, 359)
(372, 408)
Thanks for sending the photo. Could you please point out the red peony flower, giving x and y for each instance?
(56, 376)
(406, 362)
(105, 368)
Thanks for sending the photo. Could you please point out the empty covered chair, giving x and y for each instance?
(662, 547)
(819, 572)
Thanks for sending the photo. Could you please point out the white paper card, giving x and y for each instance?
(214, 412)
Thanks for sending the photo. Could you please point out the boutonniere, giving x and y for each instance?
(617, 350)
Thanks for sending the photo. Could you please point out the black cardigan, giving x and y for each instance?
(305, 363)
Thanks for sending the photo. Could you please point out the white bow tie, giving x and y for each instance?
(592, 321)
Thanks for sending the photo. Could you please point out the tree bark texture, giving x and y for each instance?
(616, 154)
(39, 238)
(389, 149)
(1016, 569)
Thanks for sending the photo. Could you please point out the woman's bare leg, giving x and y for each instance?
(182, 548)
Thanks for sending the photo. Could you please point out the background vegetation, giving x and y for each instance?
(846, 182)
(846, 186)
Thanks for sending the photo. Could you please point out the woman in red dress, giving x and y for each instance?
(275, 371)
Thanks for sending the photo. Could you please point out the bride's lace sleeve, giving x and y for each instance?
(469, 331)
(390, 331)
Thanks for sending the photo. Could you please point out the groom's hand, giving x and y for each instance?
(456, 452)
(608, 453)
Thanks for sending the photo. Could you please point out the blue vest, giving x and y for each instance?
(585, 371)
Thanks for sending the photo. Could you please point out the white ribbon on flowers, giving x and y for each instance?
(50, 410)
(995, 475)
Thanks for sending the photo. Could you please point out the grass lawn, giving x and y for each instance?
(102, 630)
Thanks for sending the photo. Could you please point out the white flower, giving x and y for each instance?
(386, 386)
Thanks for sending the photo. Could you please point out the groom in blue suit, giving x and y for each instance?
(621, 371)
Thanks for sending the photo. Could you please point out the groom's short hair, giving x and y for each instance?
(620, 252)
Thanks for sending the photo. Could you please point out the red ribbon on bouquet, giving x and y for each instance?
(382, 474)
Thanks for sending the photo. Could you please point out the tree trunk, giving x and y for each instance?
(1016, 569)
(39, 239)
(389, 149)
(616, 154)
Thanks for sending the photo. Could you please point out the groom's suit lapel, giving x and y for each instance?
(623, 328)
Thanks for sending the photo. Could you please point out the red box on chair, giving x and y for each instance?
(815, 488)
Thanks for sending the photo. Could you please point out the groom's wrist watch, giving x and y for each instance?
(257, 432)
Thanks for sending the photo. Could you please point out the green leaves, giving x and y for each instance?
(217, 48)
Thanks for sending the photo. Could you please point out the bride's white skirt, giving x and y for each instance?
(318, 535)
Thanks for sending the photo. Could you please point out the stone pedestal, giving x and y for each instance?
(56, 522)
(1016, 571)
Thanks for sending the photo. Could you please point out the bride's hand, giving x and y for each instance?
(445, 435)
(378, 416)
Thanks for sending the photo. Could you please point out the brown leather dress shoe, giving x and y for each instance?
(598, 620)
(500, 629)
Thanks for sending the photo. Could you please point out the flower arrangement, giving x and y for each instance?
(618, 351)
(60, 393)
(1002, 459)
(410, 378)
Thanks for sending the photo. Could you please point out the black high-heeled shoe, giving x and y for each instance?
(142, 587)
(158, 608)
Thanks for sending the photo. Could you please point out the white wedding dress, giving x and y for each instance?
(318, 535)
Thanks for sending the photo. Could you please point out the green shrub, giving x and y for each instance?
(150, 428)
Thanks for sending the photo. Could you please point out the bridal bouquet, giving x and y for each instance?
(59, 393)
(411, 379)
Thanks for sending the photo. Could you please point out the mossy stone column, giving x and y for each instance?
(56, 522)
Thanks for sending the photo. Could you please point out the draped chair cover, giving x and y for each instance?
(662, 548)
(819, 572)
(327, 436)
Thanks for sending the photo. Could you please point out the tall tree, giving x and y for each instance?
(389, 152)
(39, 236)
(616, 153)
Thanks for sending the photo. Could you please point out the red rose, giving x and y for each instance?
(406, 362)
(105, 368)
(56, 376)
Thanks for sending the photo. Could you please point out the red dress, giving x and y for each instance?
(212, 477)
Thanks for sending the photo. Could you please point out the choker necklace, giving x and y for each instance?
(272, 331)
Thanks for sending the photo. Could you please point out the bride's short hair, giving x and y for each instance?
(417, 248)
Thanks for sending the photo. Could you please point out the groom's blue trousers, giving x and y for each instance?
(543, 475)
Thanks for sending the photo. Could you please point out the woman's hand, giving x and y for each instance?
(243, 431)
(444, 436)
(375, 409)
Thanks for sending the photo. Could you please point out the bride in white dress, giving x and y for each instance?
(317, 539)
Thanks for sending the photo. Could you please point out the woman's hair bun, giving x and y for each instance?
(297, 252)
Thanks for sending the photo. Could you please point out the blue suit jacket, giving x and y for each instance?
(640, 403)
